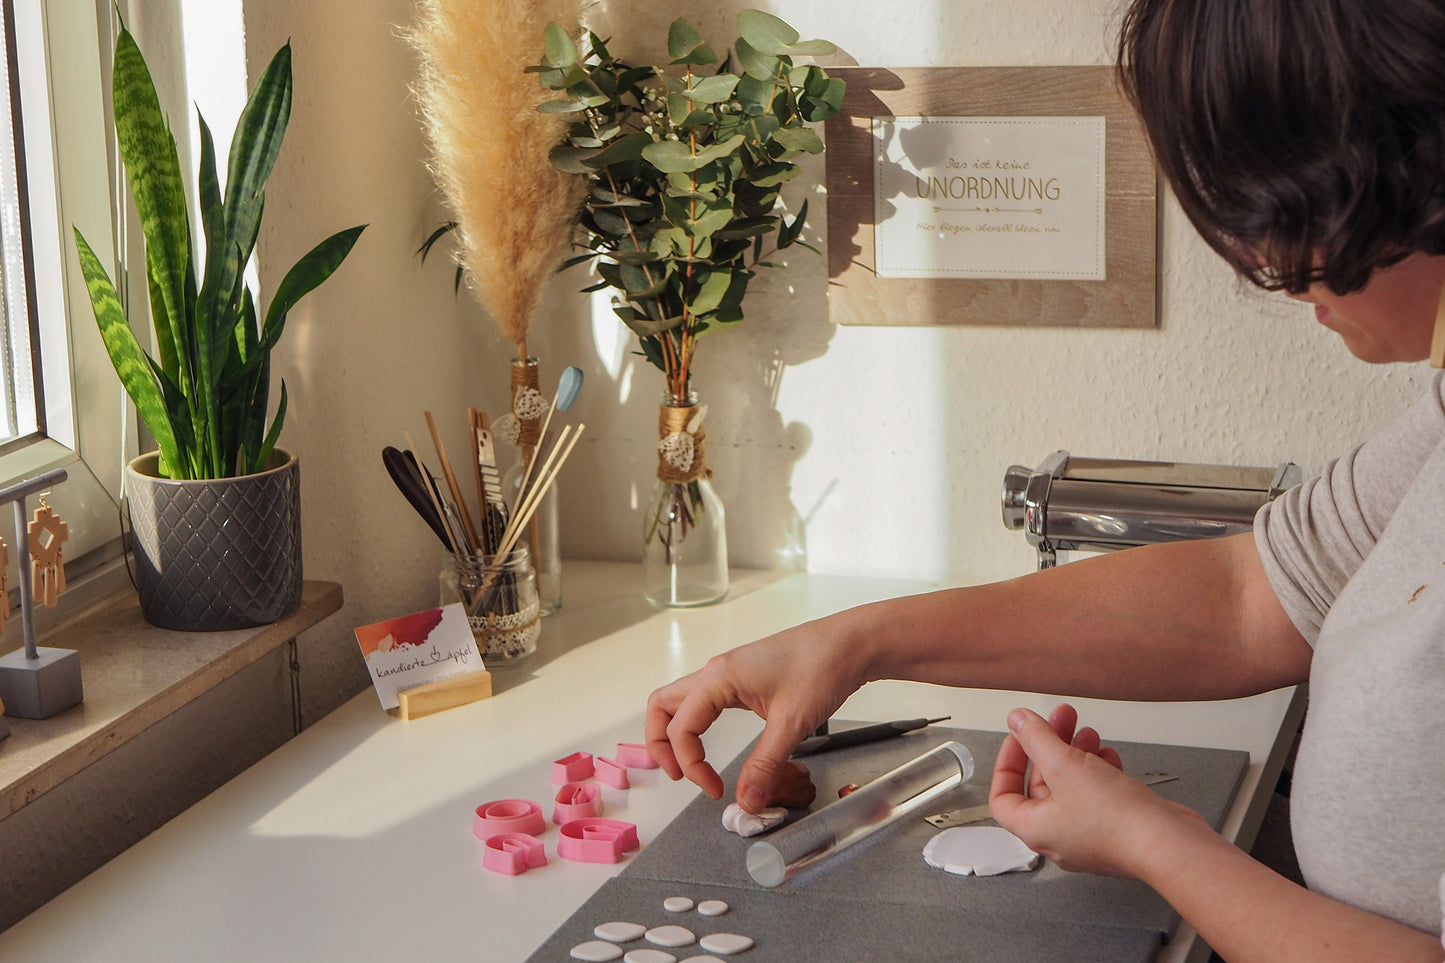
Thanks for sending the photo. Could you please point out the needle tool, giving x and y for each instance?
(861, 734)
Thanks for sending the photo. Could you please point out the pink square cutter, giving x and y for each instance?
(508, 816)
(577, 800)
(573, 768)
(596, 840)
(611, 772)
(634, 755)
(513, 853)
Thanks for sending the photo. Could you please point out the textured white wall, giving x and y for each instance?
(859, 450)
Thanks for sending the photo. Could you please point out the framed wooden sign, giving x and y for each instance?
(989, 195)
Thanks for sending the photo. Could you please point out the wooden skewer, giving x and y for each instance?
(544, 481)
(528, 493)
(451, 478)
(536, 450)
(441, 512)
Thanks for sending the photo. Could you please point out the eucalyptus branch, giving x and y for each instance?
(681, 202)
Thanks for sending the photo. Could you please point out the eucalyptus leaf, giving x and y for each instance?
(710, 292)
(558, 48)
(610, 222)
(746, 227)
(789, 231)
(686, 46)
(712, 90)
(564, 107)
(756, 63)
(672, 155)
(646, 327)
(766, 32)
(776, 173)
(799, 139)
(626, 148)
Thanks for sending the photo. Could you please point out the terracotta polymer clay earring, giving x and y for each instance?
(47, 534)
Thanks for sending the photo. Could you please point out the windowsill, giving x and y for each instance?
(134, 675)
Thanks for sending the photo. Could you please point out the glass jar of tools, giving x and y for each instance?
(499, 594)
(684, 536)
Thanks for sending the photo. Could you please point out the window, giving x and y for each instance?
(63, 406)
(19, 388)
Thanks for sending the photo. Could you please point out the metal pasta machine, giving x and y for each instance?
(1070, 503)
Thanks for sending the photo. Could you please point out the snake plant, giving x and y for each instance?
(205, 392)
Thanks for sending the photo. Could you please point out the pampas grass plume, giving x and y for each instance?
(489, 146)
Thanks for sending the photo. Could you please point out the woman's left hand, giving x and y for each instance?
(1076, 806)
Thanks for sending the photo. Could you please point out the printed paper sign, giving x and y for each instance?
(416, 649)
(989, 197)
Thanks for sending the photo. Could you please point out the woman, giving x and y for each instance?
(1305, 139)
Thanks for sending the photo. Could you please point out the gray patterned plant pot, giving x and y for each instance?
(220, 553)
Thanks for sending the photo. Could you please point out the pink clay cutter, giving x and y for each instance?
(611, 772)
(577, 800)
(596, 840)
(513, 853)
(634, 755)
(573, 768)
(508, 816)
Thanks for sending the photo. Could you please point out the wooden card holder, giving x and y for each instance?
(423, 700)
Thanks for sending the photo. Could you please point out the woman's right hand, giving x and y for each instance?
(794, 680)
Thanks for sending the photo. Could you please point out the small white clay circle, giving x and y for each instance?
(726, 943)
(596, 951)
(671, 936)
(712, 907)
(677, 904)
(619, 932)
(649, 955)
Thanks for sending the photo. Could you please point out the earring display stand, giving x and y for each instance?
(36, 682)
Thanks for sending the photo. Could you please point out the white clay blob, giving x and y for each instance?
(736, 819)
(726, 943)
(671, 935)
(677, 904)
(712, 907)
(619, 932)
(596, 951)
(702, 959)
(979, 851)
(649, 955)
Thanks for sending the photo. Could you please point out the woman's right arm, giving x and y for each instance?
(1178, 621)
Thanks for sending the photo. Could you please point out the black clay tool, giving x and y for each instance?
(408, 481)
(861, 734)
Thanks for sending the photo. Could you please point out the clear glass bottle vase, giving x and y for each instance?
(684, 530)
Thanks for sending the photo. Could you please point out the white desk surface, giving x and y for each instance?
(354, 840)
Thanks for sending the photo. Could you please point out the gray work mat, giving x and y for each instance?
(878, 900)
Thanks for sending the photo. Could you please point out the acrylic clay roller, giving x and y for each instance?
(1099, 504)
(859, 814)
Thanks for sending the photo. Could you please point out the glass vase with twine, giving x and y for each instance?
(684, 544)
(542, 537)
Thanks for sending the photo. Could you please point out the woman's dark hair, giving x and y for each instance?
(1305, 139)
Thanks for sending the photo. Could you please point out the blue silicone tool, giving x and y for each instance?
(568, 387)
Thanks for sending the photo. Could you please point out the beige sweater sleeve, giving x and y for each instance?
(1314, 536)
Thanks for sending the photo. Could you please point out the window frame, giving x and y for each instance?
(89, 425)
